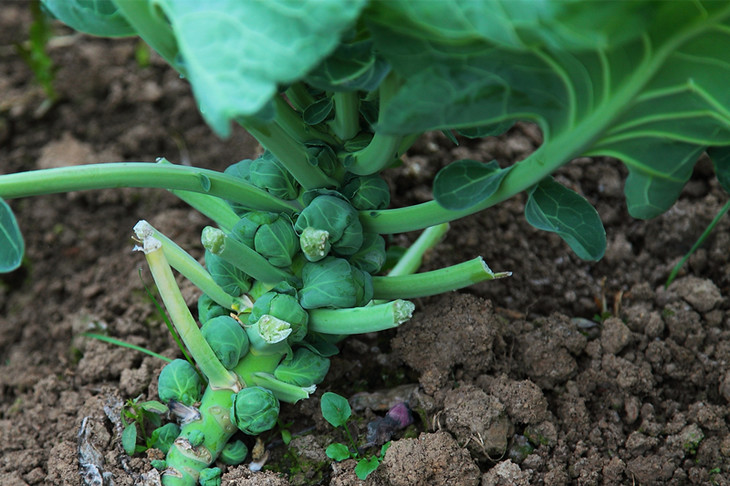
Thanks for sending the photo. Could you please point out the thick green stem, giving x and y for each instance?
(411, 260)
(359, 320)
(181, 261)
(347, 114)
(291, 154)
(213, 207)
(382, 150)
(256, 369)
(218, 376)
(293, 124)
(185, 460)
(142, 174)
(298, 95)
(434, 282)
(242, 257)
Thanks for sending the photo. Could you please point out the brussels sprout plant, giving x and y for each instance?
(336, 91)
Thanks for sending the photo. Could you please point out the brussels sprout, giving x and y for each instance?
(371, 256)
(210, 476)
(305, 368)
(231, 279)
(270, 234)
(254, 410)
(338, 218)
(195, 437)
(208, 309)
(242, 170)
(234, 453)
(285, 307)
(179, 381)
(227, 339)
(333, 282)
(366, 192)
(322, 156)
(163, 437)
(268, 173)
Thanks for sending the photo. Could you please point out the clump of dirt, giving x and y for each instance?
(568, 372)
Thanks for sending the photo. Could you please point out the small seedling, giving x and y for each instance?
(336, 410)
(137, 417)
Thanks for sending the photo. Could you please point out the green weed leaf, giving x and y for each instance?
(555, 208)
(236, 53)
(335, 409)
(365, 466)
(337, 452)
(95, 17)
(129, 438)
(464, 183)
(651, 93)
(154, 406)
(12, 245)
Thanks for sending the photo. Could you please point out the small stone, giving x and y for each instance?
(615, 335)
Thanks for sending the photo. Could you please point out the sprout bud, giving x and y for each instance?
(195, 437)
(227, 339)
(210, 476)
(179, 381)
(163, 437)
(254, 410)
(234, 453)
(333, 282)
(282, 306)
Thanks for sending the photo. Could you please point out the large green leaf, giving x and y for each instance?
(95, 17)
(465, 182)
(651, 91)
(236, 53)
(555, 208)
(12, 246)
(721, 161)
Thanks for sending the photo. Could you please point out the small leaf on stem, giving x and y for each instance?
(335, 409)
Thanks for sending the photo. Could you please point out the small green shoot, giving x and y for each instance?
(136, 417)
(35, 54)
(124, 344)
(675, 271)
(337, 412)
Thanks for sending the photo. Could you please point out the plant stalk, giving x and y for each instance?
(434, 282)
(218, 376)
(142, 174)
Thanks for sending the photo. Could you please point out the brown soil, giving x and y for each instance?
(569, 372)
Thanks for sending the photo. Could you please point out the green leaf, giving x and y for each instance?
(129, 439)
(335, 409)
(95, 17)
(650, 92)
(318, 111)
(465, 183)
(236, 54)
(555, 208)
(721, 161)
(352, 66)
(306, 368)
(365, 466)
(154, 406)
(337, 452)
(12, 246)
